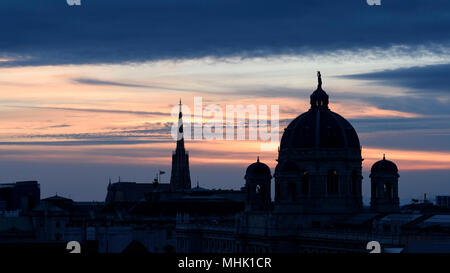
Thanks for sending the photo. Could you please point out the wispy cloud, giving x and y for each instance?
(423, 80)
(96, 110)
(91, 81)
(60, 126)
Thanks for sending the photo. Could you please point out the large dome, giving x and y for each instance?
(319, 127)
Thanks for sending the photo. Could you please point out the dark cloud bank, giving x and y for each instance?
(431, 79)
(116, 31)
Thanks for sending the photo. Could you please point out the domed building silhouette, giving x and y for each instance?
(319, 162)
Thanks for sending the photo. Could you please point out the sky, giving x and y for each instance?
(87, 92)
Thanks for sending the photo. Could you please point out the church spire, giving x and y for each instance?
(180, 177)
(180, 136)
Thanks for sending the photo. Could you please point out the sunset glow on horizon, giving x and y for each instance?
(74, 114)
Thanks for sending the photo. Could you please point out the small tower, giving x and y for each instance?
(180, 178)
(384, 186)
(257, 184)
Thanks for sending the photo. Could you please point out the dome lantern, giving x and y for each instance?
(319, 98)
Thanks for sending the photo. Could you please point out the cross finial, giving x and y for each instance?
(319, 79)
(384, 156)
(257, 159)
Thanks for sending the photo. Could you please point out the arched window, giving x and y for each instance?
(277, 190)
(332, 182)
(355, 182)
(292, 191)
(388, 190)
(258, 189)
(305, 183)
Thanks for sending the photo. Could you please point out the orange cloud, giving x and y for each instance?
(408, 159)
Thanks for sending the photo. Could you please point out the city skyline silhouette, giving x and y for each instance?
(83, 101)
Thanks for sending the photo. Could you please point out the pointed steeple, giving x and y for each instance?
(180, 135)
(180, 177)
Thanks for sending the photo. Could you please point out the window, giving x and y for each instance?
(388, 190)
(258, 189)
(331, 131)
(332, 182)
(292, 191)
(305, 183)
(277, 190)
(355, 182)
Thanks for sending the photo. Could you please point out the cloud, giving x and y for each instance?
(81, 142)
(417, 139)
(49, 32)
(424, 80)
(91, 81)
(97, 110)
(369, 125)
(59, 126)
